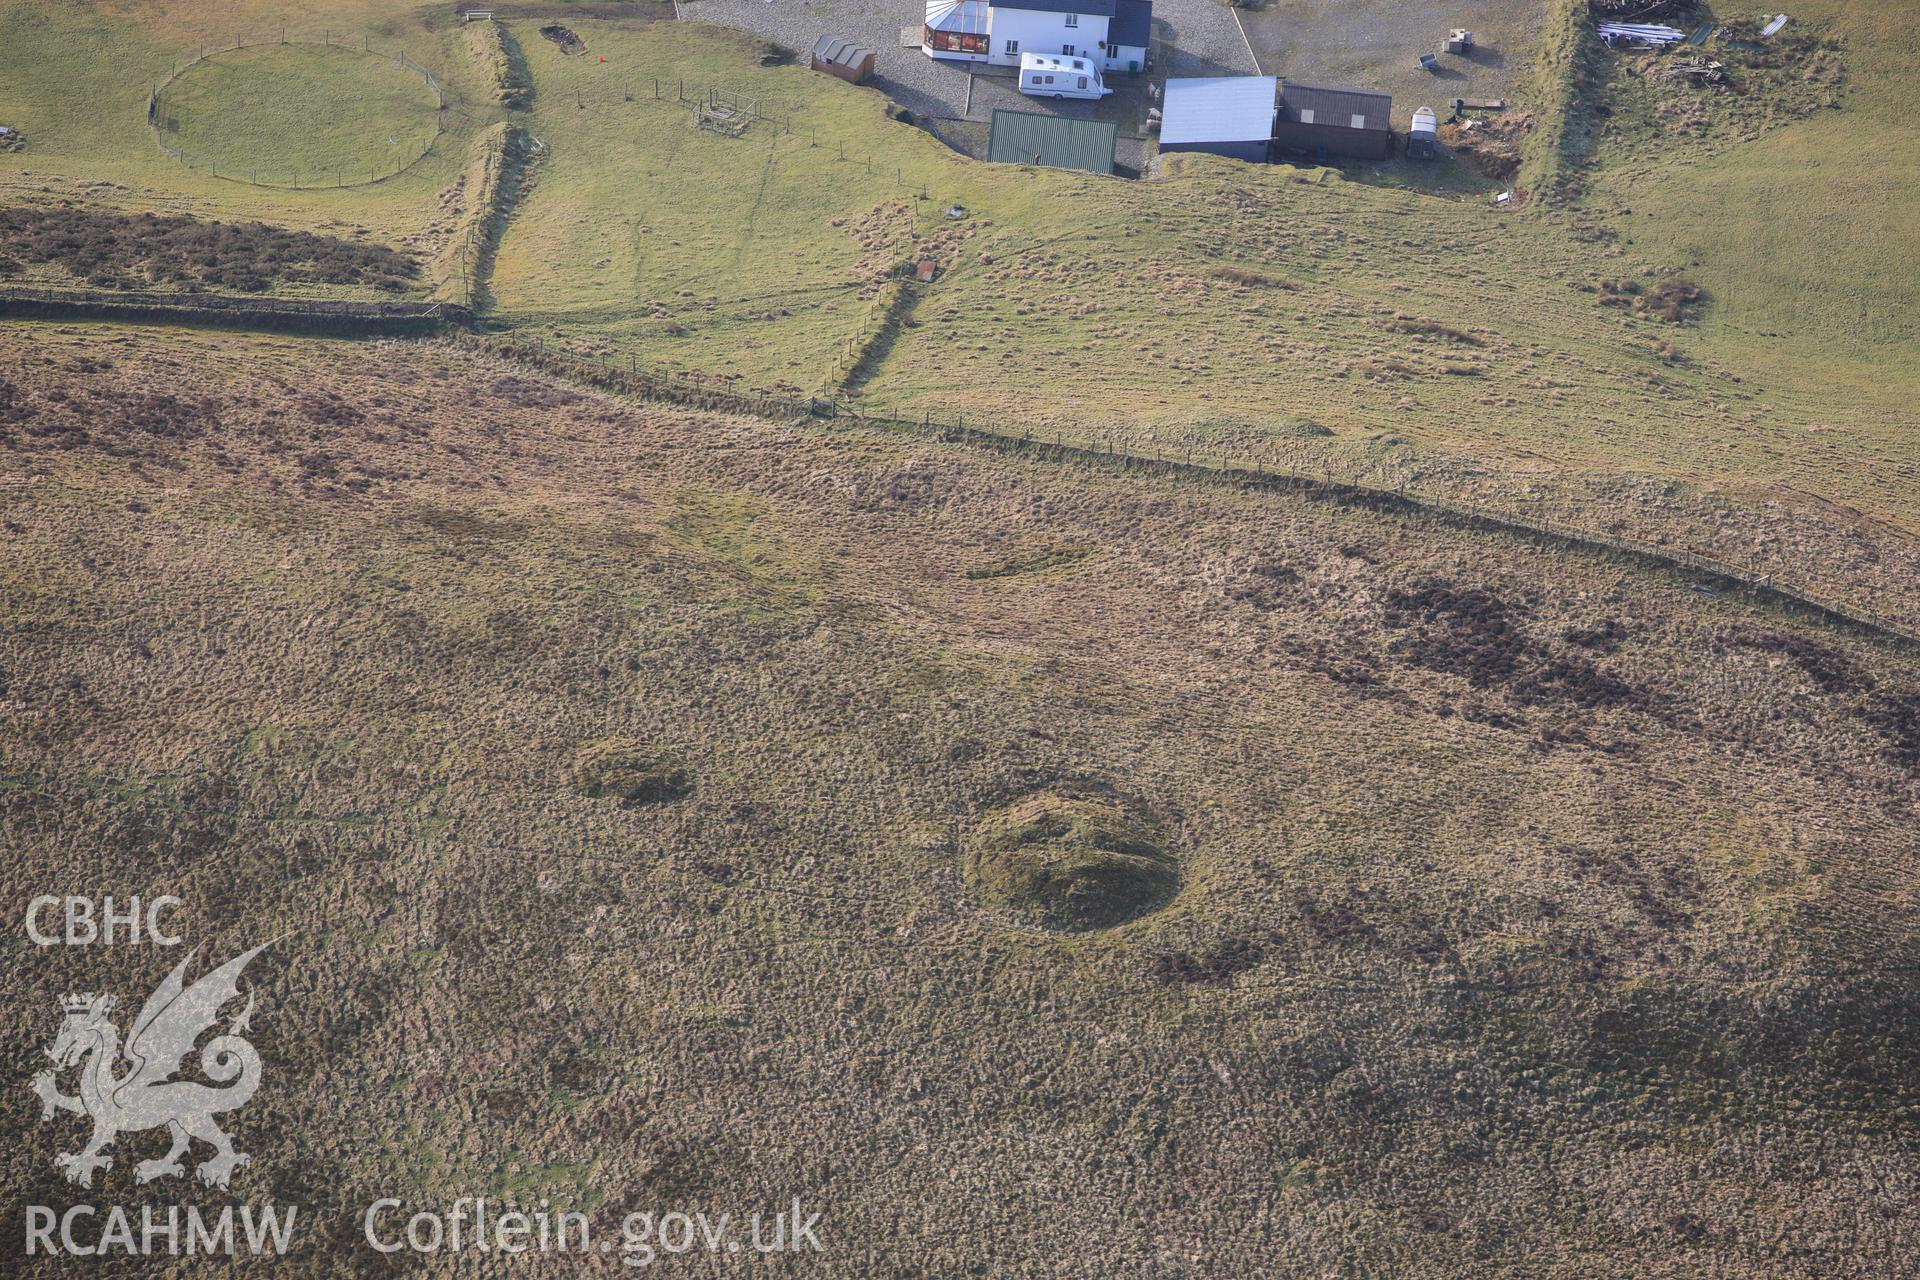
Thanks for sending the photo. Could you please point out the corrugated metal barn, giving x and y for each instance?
(1335, 122)
(1024, 137)
(1227, 115)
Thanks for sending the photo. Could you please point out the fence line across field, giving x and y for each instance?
(722, 393)
(159, 123)
(346, 317)
(1257, 473)
(224, 302)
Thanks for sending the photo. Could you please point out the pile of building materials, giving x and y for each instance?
(1698, 71)
(1639, 35)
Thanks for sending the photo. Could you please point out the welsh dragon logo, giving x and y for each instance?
(145, 1096)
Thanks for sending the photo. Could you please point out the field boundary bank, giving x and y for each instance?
(251, 40)
(496, 166)
(336, 316)
(861, 355)
(585, 10)
(1760, 586)
(1563, 72)
(606, 374)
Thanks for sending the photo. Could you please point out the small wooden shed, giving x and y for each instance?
(842, 58)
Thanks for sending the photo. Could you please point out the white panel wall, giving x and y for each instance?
(1045, 33)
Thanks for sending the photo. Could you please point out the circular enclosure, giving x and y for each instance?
(299, 114)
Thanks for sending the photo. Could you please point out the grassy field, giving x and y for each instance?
(75, 78)
(757, 256)
(632, 789)
(300, 114)
(641, 230)
(1271, 312)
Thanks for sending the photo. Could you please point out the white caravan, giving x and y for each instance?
(1055, 75)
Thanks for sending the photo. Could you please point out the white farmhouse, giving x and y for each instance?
(1116, 33)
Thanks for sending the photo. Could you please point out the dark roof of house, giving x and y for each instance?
(1093, 8)
(1132, 25)
(845, 52)
(1060, 142)
(1335, 108)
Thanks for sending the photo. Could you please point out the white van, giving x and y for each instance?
(1056, 75)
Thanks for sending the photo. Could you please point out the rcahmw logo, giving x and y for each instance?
(129, 1085)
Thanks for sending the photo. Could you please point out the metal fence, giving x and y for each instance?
(163, 120)
(625, 374)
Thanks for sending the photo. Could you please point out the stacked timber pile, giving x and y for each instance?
(1641, 35)
(1634, 10)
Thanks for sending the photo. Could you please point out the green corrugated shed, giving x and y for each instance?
(1024, 137)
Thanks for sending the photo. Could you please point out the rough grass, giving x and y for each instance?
(1034, 562)
(629, 774)
(757, 259)
(124, 251)
(1536, 917)
(1475, 967)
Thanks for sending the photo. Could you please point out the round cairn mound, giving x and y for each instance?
(610, 769)
(1073, 858)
